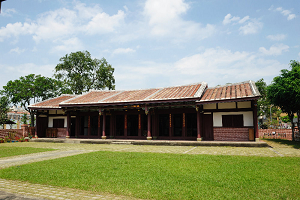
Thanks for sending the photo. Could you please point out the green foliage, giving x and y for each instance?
(24, 119)
(31, 88)
(285, 119)
(80, 73)
(168, 176)
(284, 91)
(4, 108)
(263, 104)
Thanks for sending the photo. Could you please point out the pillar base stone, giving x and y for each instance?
(149, 138)
(256, 139)
(67, 137)
(103, 137)
(199, 139)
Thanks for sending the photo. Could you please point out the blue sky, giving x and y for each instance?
(153, 43)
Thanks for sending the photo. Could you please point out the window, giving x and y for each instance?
(58, 123)
(232, 121)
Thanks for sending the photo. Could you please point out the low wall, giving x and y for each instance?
(275, 133)
(17, 132)
(231, 134)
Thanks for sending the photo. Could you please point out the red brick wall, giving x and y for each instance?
(61, 132)
(18, 132)
(231, 134)
(276, 133)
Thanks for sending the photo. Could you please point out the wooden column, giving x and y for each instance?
(99, 126)
(103, 126)
(89, 125)
(125, 125)
(183, 125)
(140, 125)
(68, 125)
(111, 124)
(199, 127)
(77, 129)
(170, 125)
(149, 137)
(255, 124)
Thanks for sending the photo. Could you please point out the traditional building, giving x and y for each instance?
(189, 112)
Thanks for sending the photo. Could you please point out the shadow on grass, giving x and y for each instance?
(294, 144)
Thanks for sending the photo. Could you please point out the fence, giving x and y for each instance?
(24, 132)
(277, 133)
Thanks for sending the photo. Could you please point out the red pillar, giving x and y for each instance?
(99, 126)
(103, 126)
(68, 125)
(149, 137)
(255, 121)
(199, 127)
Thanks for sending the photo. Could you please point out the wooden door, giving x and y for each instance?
(42, 126)
(208, 127)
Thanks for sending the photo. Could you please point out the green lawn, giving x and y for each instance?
(168, 176)
(15, 151)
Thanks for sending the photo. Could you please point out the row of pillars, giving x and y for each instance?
(102, 112)
(149, 136)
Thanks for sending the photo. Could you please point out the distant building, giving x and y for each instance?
(15, 114)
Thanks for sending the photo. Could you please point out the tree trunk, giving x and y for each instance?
(291, 116)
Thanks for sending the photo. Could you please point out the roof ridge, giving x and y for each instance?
(201, 89)
(117, 92)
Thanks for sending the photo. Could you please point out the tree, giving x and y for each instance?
(4, 108)
(31, 89)
(284, 92)
(262, 103)
(80, 73)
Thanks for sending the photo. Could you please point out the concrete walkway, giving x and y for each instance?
(155, 142)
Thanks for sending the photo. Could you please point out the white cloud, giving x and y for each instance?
(274, 50)
(287, 13)
(103, 23)
(244, 19)
(17, 50)
(69, 45)
(123, 51)
(277, 37)
(8, 12)
(251, 27)
(228, 19)
(164, 19)
(214, 66)
(64, 23)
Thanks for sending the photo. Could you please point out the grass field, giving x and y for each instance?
(15, 151)
(168, 176)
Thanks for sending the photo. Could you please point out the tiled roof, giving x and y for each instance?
(94, 96)
(196, 92)
(231, 91)
(156, 94)
(51, 103)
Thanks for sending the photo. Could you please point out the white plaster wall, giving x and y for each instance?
(50, 123)
(247, 116)
(226, 105)
(210, 106)
(244, 104)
